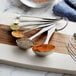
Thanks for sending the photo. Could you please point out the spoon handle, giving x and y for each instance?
(41, 31)
(50, 24)
(33, 24)
(37, 21)
(50, 32)
(33, 17)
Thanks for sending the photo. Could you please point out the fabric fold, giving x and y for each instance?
(71, 3)
(64, 10)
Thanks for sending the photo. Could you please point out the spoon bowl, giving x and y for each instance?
(49, 49)
(24, 43)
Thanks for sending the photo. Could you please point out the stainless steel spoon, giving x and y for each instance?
(37, 51)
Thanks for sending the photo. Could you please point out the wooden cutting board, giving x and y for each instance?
(58, 39)
(59, 61)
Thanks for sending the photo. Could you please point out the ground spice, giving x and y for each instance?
(17, 34)
(24, 43)
(43, 48)
(41, 1)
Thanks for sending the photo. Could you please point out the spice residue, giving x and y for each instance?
(43, 48)
(40, 1)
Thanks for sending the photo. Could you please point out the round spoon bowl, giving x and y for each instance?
(37, 50)
(17, 34)
(24, 43)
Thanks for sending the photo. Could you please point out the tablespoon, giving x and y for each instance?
(45, 49)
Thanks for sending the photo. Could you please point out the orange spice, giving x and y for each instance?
(41, 1)
(17, 34)
(43, 48)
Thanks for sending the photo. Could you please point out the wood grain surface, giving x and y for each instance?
(58, 39)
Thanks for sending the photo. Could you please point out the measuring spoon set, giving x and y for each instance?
(43, 24)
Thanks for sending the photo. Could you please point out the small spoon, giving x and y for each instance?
(27, 43)
(20, 34)
(45, 49)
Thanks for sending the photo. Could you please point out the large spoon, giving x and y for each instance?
(45, 49)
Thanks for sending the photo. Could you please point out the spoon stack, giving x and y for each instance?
(42, 24)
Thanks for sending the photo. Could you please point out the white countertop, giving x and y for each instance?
(14, 6)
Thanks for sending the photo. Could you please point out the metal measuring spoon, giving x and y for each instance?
(48, 49)
(27, 43)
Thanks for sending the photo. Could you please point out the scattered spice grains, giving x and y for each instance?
(43, 48)
(40, 1)
(17, 34)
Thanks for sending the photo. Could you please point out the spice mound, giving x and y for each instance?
(40, 1)
(43, 48)
(24, 43)
(17, 34)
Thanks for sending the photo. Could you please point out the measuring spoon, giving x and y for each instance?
(45, 49)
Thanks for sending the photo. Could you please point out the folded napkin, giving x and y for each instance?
(64, 10)
(71, 3)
